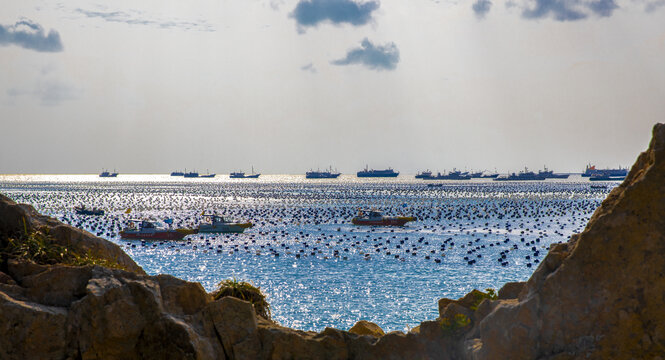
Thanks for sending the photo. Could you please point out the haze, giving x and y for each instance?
(285, 86)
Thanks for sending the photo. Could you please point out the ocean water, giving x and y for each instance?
(316, 268)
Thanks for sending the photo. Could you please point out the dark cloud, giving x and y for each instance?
(30, 35)
(481, 8)
(382, 57)
(569, 10)
(135, 18)
(309, 13)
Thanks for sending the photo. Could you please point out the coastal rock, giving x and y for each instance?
(364, 327)
(19, 219)
(601, 295)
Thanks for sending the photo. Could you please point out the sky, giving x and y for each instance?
(154, 86)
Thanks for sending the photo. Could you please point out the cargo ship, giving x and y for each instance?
(329, 174)
(591, 170)
(377, 173)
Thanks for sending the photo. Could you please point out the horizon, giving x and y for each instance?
(153, 87)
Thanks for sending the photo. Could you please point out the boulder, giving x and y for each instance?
(364, 327)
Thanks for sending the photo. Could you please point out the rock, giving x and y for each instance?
(17, 219)
(31, 331)
(511, 290)
(363, 327)
(601, 295)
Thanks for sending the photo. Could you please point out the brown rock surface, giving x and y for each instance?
(16, 219)
(364, 327)
(601, 295)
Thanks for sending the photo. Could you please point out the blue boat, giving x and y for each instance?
(191, 174)
(525, 175)
(452, 175)
(329, 174)
(424, 175)
(177, 173)
(591, 170)
(549, 174)
(377, 173)
(106, 173)
(241, 175)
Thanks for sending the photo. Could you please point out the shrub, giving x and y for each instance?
(244, 291)
(480, 296)
(459, 321)
(38, 246)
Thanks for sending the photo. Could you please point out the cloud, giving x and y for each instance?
(48, 88)
(30, 35)
(652, 6)
(309, 67)
(310, 13)
(138, 18)
(481, 8)
(569, 10)
(382, 57)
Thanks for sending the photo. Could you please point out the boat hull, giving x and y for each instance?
(386, 221)
(227, 228)
(156, 235)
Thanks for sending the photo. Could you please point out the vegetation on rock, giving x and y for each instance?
(244, 291)
(480, 296)
(39, 246)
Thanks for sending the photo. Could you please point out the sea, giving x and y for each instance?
(317, 269)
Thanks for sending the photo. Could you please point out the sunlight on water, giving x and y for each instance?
(316, 268)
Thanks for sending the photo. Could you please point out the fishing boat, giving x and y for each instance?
(208, 175)
(525, 175)
(424, 174)
(150, 230)
(377, 173)
(375, 218)
(81, 210)
(177, 173)
(191, 174)
(549, 174)
(106, 173)
(328, 174)
(241, 175)
(452, 175)
(605, 177)
(217, 224)
(591, 169)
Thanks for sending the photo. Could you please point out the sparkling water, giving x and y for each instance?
(316, 268)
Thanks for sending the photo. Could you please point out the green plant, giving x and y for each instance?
(480, 296)
(244, 291)
(459, 321)
(38, 246)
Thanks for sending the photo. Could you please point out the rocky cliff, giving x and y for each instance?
(599, 296)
